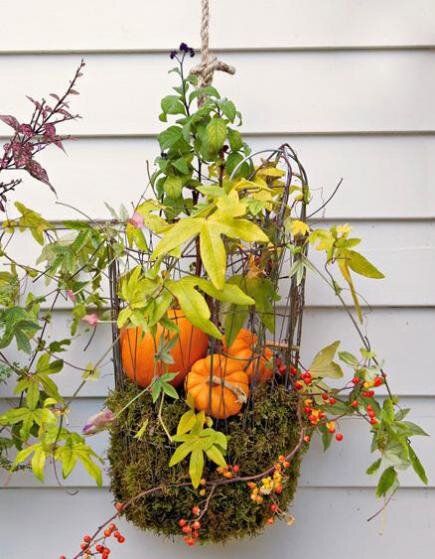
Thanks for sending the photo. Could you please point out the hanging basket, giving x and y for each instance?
(257, 438)
(267, 437)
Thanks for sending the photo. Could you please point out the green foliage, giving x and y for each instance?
(199, 441)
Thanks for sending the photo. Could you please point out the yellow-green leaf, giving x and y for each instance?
(196, 466)
(323, 365)
(213, 254)
(360, 265)
(179, 233)
(243, 230)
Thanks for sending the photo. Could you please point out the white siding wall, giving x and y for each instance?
(351, 85)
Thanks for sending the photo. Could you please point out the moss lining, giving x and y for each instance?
(269, 428)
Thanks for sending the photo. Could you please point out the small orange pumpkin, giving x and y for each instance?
(257, 366)
(138, 350)
(219, 385)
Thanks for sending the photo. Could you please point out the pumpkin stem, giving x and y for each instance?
(238, 392)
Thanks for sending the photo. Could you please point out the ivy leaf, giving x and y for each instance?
(38, 462)
(360, 265)
(386, 481)
(216, 133)
(186, 423)
(215, 455)
(323, 364)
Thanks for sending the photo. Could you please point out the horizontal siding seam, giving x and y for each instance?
(232, 50)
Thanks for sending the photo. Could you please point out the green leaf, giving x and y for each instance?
(360, 265)
(417, 465)
(213, 254)
(193, 305)
(348, 358)
(374, 467)
(93, 470)
(386, 481)
(216, 456)
(414, 429)
(229, 109)
(235, 318)
(169, 137)
(170, 391)
(323, 365)
(235, 139)
(171, 104)
(196, 467)
(173, 186)
(216, 133)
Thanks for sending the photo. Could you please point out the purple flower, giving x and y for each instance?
(184, 47)
(192, 53)
(98, 422)
(173, 54)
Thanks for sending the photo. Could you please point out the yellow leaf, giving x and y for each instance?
(298, 228)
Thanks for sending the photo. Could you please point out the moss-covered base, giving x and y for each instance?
(257, 438)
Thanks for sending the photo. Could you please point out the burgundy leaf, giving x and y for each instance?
(10, 121)
(73, 92)
(26, 129)
(22, 153)
(50, 130)
(38, 172)
(55, 96)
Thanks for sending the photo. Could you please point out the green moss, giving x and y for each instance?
(269, 428)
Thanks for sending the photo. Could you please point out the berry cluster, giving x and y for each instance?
(269, 485)
(228, 471)
(191, 528)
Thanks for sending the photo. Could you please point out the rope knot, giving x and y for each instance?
(207, 67)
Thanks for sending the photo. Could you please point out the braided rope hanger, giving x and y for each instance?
(209, 64)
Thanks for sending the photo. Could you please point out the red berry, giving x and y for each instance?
(116, 534)
(270, 520)
(84, 545)
(354, 404)
(121, 539)
(325, 396)
(356, 380)
(373, 421)
(307, 438)
(87, 538)
(186, 529)
(196, 525)
(107, 532)
(282, 369)
(62, 557)
(112, 526)
(379, 381)
(273, 507)
(99, 548)
(293, 371)
(236, 468)
(182, 522)
(298, 385)
(332, 401)
(339, 437)
(196, 510)
(119, 507)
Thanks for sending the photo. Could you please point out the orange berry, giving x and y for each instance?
(196, 510)
(339, 437)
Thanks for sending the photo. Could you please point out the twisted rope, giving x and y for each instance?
(209, 63)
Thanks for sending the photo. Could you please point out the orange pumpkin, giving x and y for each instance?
(257, 366)
(218, 385)
(138, 350)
